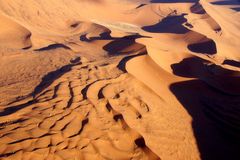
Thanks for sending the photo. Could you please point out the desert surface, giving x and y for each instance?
(119, 80)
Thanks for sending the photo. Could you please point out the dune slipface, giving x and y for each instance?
(119, 79)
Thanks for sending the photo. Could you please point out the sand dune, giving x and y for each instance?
(13, 35)
(119, 79)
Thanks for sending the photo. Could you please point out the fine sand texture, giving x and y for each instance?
(119, 80)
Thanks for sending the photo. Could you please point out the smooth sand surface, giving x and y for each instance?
(119, 80)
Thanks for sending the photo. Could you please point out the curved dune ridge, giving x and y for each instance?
(13, 34)
(119, 79)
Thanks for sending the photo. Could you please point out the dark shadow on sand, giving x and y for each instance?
(215, 114)
(123, 62)
(13, 109)
(102, 36)
(197, 9)
(229, 2)
(117, 46)
(170, 24)
(208, 47)
(215, 124)
(140, 6)
(232, 63)
(232, 2)
(174, 1)
(53, 46)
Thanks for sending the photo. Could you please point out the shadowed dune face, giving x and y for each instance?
(119, 79)
(124, 45)
(215, 123)
(171, 24)
(173, 1)
(208, 47)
